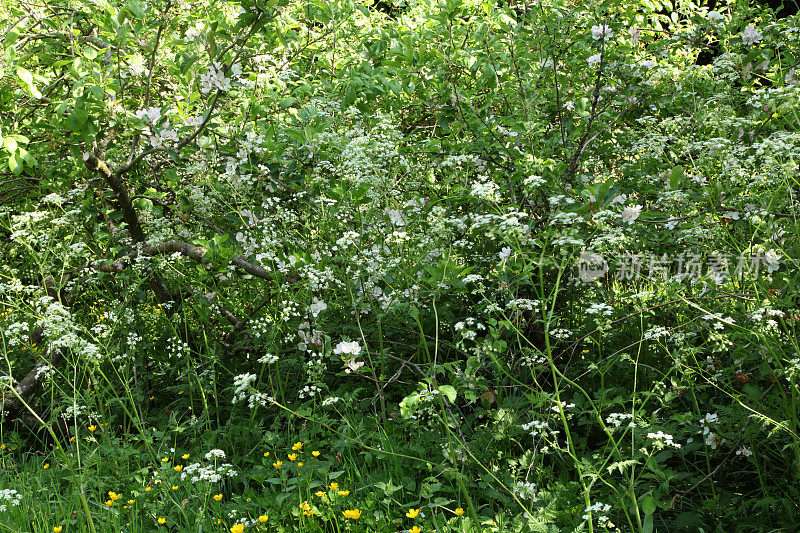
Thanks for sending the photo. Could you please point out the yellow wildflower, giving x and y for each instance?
(177, 468)
(57, 529)
(415, 529)
(109, 503)
(263, 518)
(92, 427)
(46, 466)
(278, 464)
(412, 513)
(148, 489)
(238, 528)
(266, 454)
(113, 495)
(297, 446)
(218, 497)
(334, 485)
(131, 502)
(300, 464)
(292, 456)
(175, 487)
(353, 514)
(305, 507)
(343, 492)
(162, 521)
(315, 453)
(319, 494)
(459, 511)
(185, 456)
(165, 460)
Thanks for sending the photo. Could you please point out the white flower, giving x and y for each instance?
(150, 115)
(715, 16)
(344, 347)
(353, 366)
(619, 199)
(194, 32)
(750, 35)
(601, 32)
(744, 451)
(631, 213)
(594, 60)
(317, 307)
(772, 260)
(215, 454)
(136, 65)
(505, 253)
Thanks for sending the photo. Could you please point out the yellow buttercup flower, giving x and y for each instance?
(162, 521)
(334, 485)
(113, 495)
(46, 466)
(353, 514)
(300, 464)
(177, 468)
(315, 453)
(412, 513)
(343, 492)
(305, 507)
(185, 456)
(263, 518)
(238, 528)
(459, 511)
(57, 529)
(148, 489)
(292, 456)
(109, 503)
(218, 497)
(277, 464)
(175, 487)
(165, 460)
(319, 494)
(266, 454)
(92, 427)
(297, 446)
(415, 529)
(131, 502)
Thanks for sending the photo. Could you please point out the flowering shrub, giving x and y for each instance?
(465, 267)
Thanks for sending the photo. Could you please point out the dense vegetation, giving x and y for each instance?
(443, 265)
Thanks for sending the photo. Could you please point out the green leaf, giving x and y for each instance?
(649, 504)
(675, 177)
(489, 76)
(27, 80)
(449, 391)
(15, 164)
(647, 526)
(11, 144)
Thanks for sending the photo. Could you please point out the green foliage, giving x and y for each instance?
(518, 267)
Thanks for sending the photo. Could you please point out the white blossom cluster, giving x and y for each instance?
(9, 497)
